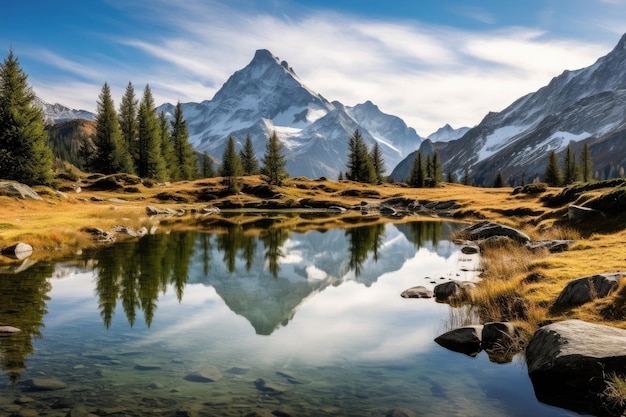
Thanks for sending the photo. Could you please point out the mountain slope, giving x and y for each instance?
(267, 96)
(577, 106)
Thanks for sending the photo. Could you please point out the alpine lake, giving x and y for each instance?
(234, 322)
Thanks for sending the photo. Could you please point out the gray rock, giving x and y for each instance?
(579, 213)
(269, 387)
(453, 290)
(585, 289)
(574, 356)
(147, 367)
(44, 384)
(417, 292)
(553, 246)
(18, 251)
(18, 190)
(484, 230)
(470, 248)
(499, 335)
(155, 211)
(465, 340)
(209, 374)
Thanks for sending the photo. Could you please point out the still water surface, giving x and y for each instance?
(295, 323)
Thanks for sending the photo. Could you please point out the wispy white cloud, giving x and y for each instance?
(428, 75)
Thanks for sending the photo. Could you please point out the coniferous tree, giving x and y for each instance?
(25, 154)
(274, 163)
(150, 160)
(128, 121)
(187, 162)
(208, 171)
(111, 155)
(552, 175)
(466, 180)
(570, 168)
(586, 164)
(340, 177)
(167, 148)
(249, 160)
(451, 178)
(376, 156)
(436, 170)
(418, 172)
(360, 166)
(499, 181)
(231, 168)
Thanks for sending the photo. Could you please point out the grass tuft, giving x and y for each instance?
(615, 391)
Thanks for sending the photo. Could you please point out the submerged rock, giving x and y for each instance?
(44, 384)
(210, 374)
(269, 387)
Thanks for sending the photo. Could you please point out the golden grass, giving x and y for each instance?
(615, 391)
(512, 273)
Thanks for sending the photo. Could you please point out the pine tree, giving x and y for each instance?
(231, 168)
(249, 160)
(360, 167)
(187, 162)
(418, 172)
(552, 175)
(436, 170)
(150, 160)
(111, 155)
(274, 163)
(376, 156)
(128, 121)
(340, 177)
(167, 148)
(586, 164)
(451, 178)
(499, 181)
(25, 154)
(208, 171)
(570, 168)
(466, 180)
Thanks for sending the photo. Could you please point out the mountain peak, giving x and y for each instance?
(264, 55)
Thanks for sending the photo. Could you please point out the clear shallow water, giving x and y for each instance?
(294, 323)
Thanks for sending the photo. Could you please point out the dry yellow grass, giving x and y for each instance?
(512, 272)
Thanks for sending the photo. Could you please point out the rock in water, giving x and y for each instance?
(44, 384)
(18, 251)
(465, 340)
(205, 375)
(417, 292)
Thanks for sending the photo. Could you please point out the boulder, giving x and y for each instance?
(585, 289)
(18, 251)
(499, 335)
(417, 292)
(553, 246)
(155, 211)
(453, 290)
(44, 384)
(18, 190)
(568, 362)
(484, 230)
(579, 213)
(465, 340)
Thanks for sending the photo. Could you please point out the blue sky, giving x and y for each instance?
(430, 62)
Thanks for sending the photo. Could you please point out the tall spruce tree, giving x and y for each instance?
(249, 160)
(208, 170)
(378, 161)
(360, 167)
(128, 121)
(231, 168)
(25, 154)
(552, 175)
(167, 148)
(274, 163)
(570, 167)
(111, 155)
(436, 174)
(418, 172)
(150, 160)
(499, 181)
(187, 161)
(586, 164)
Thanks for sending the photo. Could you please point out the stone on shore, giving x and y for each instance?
(417, 292)
(18, 251)
(465, 340)
(18, 190)
(8, 330)
(485, 230)
(582, 290)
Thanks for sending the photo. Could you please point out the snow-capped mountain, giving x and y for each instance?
(447, 133)
(57, 113)
(583, 106)
(267, 96)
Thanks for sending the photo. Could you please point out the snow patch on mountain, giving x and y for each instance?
(447, 133)
(498, 139)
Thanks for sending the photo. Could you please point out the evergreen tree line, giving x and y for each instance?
(364, 165)
(425, 172)
(139, 141)
(235, 164)
(571, 170)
